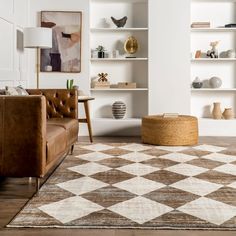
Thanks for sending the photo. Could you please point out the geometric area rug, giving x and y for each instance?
(131, 185)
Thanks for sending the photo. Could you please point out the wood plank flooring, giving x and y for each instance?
(14, 193)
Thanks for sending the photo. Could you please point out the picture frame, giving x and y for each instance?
(65, 54)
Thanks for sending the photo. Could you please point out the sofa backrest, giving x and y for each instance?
(60, 103)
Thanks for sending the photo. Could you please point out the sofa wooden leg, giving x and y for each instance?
(37, 185)
(71, 149)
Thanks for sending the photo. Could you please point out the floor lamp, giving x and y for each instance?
(39, 38)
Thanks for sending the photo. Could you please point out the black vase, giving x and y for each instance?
(101, 54)
(55, 61)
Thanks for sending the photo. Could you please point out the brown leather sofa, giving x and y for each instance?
(37, 131)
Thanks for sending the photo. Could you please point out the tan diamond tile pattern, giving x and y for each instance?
(161, 176)
(112, 176)
(160, 163)
(116, 152)
(167, 194)
(134, 185)
(195, 152)
(217, 177)
(155, 152)
(105, 196)
(115, 162)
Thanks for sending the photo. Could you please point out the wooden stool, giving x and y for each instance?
(178, 131)
(85, 100)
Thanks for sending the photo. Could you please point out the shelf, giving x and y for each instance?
(211, 127)
(214, 59)
(117, 29)
(217, 29)
(217, 121)
(119, 1)
(212, 1)
(119, 59)
(119, 89)
(136, 120)
(214, 90)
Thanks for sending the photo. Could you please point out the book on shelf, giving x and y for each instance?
(232, 25)
(170, 115)
(201, 25)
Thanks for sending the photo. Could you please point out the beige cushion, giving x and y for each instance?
(15, 91)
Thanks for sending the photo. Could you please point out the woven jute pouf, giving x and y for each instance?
(170, 131)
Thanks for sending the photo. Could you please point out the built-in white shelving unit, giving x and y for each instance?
(120, 69)
(214, 60)
(222, 12)
(117, 29)
(120, 89)
(118, 59)
(214, 90)
(219, 29)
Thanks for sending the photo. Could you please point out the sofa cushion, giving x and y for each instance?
(56, 142)
(70, 125)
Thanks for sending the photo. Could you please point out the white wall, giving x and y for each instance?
(13, 59)
(58, 80)
(169, 56)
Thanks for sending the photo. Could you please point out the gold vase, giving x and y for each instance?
(228, 114)
(216, 112)
(131, 45)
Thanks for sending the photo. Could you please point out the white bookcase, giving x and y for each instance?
(219, 13)
(121, 69)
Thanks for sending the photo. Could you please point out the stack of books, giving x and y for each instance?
(200, 25)
(100, 84)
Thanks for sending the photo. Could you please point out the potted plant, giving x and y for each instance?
(101, 51)
(69, 83)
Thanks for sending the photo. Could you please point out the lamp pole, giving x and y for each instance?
(38, 66)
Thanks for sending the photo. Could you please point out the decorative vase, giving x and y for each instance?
(197, 84)
(101, 54)
(216, 112)
(215, 82)
(228, 114)
(231, 53)
(118, 110)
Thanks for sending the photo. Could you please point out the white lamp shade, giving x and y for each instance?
(37, 37)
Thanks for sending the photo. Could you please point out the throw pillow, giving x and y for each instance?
(2, 92)
(14, 91)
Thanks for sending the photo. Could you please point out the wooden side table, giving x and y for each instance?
(85, 100)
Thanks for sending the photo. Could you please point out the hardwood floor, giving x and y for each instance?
(14, 193)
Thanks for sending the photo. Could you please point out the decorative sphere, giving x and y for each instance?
(215, 82)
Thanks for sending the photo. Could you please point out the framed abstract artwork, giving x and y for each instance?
(65, 54)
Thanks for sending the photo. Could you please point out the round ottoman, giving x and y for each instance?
(170, 131)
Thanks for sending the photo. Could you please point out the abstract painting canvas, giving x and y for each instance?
(65, 54)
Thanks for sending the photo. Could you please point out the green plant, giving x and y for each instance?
(69, 83)
(100, 48)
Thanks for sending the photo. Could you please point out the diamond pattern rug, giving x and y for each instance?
(138, 186)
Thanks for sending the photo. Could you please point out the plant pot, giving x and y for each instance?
(216, 112)
(101, 54)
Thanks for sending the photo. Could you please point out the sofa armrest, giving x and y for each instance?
(61, 103)
(22, 136)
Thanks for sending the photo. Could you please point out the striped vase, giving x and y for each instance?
(118, 110)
